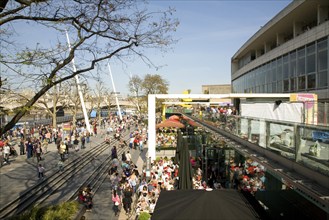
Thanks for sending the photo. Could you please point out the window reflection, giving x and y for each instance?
(301, 69)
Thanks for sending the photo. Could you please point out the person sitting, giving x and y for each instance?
(107, 139)
(81, 197)
(88, 202)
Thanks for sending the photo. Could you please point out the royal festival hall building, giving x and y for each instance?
(289, 54)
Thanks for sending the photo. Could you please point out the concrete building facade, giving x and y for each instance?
(289, 54)
(216, 89)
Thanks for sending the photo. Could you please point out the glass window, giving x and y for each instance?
(310, 58)
(322, 55)
(285, 70)
(310, 63)
(301, 83)
(274, 87)
(301, 62)
(262, 89)
(268, 76)
(322, 44)
(322, 60)
(310, 48)
(311, 81)
(293, 65)
(323, 79)
(279, 87)
(292, 84)
(279, 69)
(286, 85)
(273, 65)
(254, 78)
(269, 88)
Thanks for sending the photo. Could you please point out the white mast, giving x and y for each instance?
(115, 93)
(79, 89)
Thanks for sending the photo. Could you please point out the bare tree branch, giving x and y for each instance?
(101, 30)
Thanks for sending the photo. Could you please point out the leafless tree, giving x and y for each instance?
(135, 87)
(142, 87)
(100, 30)
(99, 97)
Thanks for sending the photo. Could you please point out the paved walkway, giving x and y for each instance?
(21, 173)
(103, 197)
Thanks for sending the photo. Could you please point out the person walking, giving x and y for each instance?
(131, 142)
(61, 150)
(95, 130)
(29, 148)
(21, 147)
(127, 199)
(41, 171)
(48, 137)
(38, 152)
(76, 144)
(123, 157)
(141, 146)
(6, 151)
(87, 137)
(114, 153)
(45, 145)
(132, 180)
(83, 141)
(116, 201)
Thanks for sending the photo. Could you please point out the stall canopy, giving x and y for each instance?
(169, 123)
(202, 204)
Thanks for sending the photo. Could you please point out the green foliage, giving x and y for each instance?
(63, 211)
(155, 84)
(144, 216)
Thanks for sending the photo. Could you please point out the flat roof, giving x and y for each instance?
(222, 96)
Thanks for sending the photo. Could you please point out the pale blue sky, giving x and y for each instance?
(209, 34)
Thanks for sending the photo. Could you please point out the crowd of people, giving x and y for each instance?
(132, 191)
(131, 187)
(249, 176)
(166, 137)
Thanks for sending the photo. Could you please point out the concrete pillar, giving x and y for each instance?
(268, 134)
(279, 39)
(249, 129)
(297, 143)
(323, 14)
(297, 28)
(267, 47)
(258, 53)
(151, 127)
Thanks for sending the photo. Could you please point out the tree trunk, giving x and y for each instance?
(53, 115)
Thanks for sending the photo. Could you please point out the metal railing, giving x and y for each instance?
(301, 143)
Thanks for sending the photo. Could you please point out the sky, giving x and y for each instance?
(209, 34)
